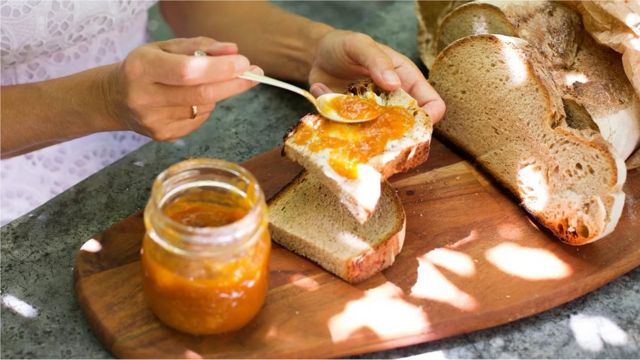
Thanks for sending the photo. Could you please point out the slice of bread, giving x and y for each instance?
(307, 218)
(360, 195)
(504, 109)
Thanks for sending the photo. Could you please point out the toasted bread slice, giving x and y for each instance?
(307, 218)
(361, 194)
(504, 109)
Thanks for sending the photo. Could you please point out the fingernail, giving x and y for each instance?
(391, 77)
(222, 45)
(242, 64)
(257, 70)
(318, 89)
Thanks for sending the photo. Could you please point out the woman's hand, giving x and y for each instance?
(343, 56)
(153, 90)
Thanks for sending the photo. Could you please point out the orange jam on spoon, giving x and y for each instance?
(353, 107)
(356, 143)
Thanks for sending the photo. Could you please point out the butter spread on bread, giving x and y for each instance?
(353, 159)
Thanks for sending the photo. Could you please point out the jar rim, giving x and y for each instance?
(224, 234)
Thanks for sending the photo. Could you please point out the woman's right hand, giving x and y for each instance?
(153, 90)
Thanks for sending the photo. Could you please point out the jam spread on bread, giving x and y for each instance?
(353, 144)
(354, 107)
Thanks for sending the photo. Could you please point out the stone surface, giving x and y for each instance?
(40, 317)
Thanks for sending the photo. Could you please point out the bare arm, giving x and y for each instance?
(281, 43)
(48, 112)
(152, 92)
(292, 47)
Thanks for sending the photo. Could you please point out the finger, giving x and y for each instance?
(430, 101)
(176, 69)
(177, 129)
(164, 95)
(169, 115)
(319, 89)
(417, 86)
(365, 51)
(186, 113)
(189, 46)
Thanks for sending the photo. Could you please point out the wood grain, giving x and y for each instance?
(472, 259)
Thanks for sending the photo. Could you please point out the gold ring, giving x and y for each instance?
(194, 109)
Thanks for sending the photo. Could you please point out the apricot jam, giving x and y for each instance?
(353, 144)
(206, 251)
(354, 107)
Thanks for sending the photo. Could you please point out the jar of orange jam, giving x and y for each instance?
(206, 250)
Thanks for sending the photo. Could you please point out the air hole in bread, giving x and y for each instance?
(582, 230)
(591, 171)
(578, 166)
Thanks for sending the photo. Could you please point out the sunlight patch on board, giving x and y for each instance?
(383, 311)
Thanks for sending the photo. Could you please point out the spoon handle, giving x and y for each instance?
(248, 75)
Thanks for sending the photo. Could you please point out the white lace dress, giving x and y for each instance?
(47, 39)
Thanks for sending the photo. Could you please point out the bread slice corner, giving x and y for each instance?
(307, 218)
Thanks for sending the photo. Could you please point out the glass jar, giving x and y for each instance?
(205, 254)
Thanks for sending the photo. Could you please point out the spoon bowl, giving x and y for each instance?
(324, 103)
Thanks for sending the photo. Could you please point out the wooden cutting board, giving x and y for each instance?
(472, 259)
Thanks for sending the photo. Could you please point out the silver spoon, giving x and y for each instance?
(321, 103)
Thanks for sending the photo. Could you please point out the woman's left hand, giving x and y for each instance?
(343, 56)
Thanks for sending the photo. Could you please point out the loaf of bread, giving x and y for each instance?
(590, 77)
(307, 218)
(504, 109)
(361, 194)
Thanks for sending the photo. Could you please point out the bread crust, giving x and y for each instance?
(375, 260)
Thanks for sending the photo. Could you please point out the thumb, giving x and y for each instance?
(366, 52)
(319, 89)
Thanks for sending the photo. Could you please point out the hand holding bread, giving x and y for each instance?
(343, 57)
(341, 213)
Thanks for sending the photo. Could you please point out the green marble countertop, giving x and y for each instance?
(38, 249)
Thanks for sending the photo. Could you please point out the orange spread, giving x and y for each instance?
(201, 208)
(353, 144)
(354, 107)
(206, 295)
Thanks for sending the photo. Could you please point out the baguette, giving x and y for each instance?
(307, 218)
(505, 110)
(360, 194)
